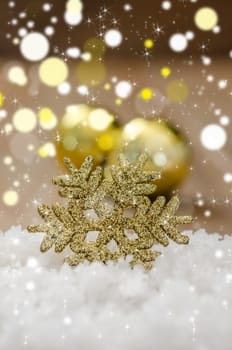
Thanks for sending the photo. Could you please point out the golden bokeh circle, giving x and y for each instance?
(53, 71)
(206, 18)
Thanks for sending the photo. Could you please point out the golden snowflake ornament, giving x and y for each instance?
(116, 210)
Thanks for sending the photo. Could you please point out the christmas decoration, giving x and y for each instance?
(85, 130)
(167, 149)
(119, 233)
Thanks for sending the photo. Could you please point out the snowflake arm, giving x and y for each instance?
(170, 221)
(145, 257)
(80, 183)
(52, 227)
(60, 225)
(130, 183)
(164, 222)
(158, 220)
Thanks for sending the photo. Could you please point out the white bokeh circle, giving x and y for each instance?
(34, 46)
(213, 137)
(113, 38)
(178, 42)
(123, 89)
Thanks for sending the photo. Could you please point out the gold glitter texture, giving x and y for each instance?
(128, 228)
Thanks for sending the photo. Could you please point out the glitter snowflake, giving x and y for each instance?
(124, 220)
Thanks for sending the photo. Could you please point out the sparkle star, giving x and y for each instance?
(157, 29)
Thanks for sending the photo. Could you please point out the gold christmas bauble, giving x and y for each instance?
(86, 130)
(168, 150)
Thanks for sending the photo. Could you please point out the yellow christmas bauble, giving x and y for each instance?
(168, 150)
(86, 130)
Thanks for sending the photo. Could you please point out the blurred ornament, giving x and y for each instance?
(96, 47)
(168, 150)
(86, 130)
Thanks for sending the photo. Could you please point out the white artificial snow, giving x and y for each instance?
(185, 302)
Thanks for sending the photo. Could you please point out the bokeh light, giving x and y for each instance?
(166, 5)
(113, 38)
(123, 89)
(73, 14)
(47, 150)
(1, 99)
(91, 73)
(24, 120)
(53, 71)
(10, 198)
(73, 52)
(64, 88)
(177, 91)
(17, 75)
(47, 119)
(213, 137)
(149, 43)
(34, 46)
(146, 94)
(100, 119)
(165, 72)
(178, 42)
(206, 18)
(228, 177)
